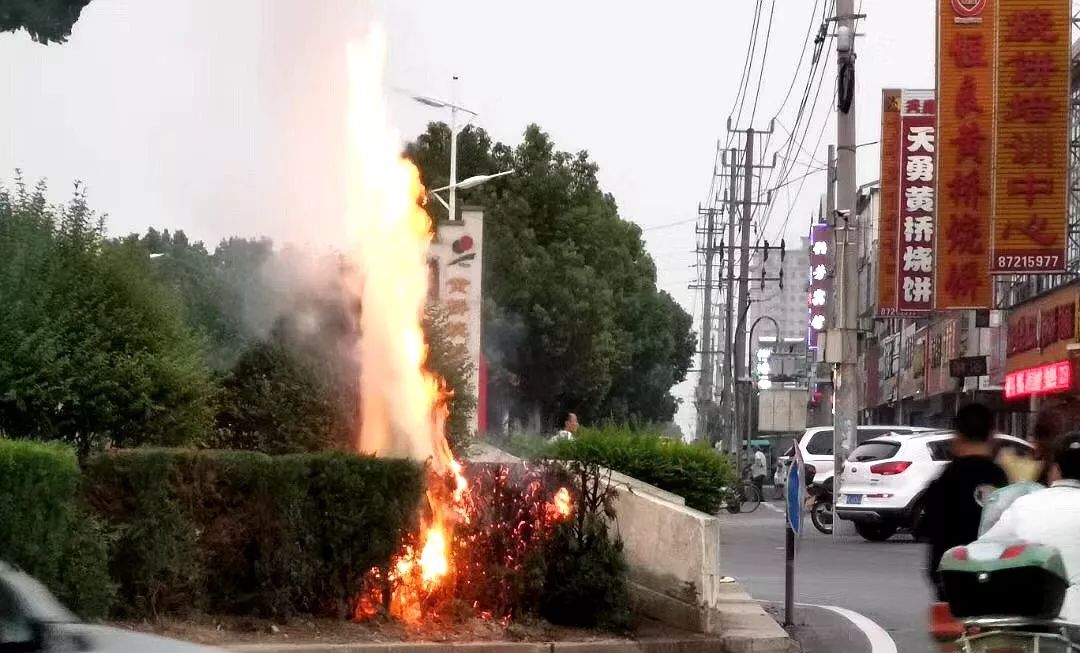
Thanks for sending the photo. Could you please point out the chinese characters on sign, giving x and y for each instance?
(820, 283)
(1055, 377)
(1031, 154)
(888, 224)
(457, 308)
(915, 254)
(1038, 329)
(965, 75)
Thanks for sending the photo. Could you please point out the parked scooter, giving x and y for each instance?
(1007, 597)
(820, 498)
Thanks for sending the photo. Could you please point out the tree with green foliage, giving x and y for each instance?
(451, 362)
(47, 21)
(221, 291)
(573, 317)
(296, 390)
(93, 351)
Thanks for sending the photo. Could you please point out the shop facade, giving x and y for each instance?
(1041, 348)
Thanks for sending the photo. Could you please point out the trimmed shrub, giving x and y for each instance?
(85, 584)
(694, 472)
(45, 533)
(37, 484)
(582, 568)
(244, 533)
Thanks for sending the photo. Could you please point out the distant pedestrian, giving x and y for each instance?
(953, 502)
(569, 422)
(759, 468)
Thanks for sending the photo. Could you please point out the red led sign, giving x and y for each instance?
(1044, 379)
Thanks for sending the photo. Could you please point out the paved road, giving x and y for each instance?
(882, 581)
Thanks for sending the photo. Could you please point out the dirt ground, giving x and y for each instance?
(224, 630)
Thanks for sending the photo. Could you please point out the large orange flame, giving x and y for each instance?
(404, 405)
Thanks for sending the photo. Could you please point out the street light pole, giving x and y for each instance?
(436, 103)
(453, 149)
(749, 386)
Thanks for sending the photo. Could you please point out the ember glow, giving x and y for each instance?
(562, 502)
(404, 405)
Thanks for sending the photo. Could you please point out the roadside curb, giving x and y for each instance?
(745, 626)
(658, 645)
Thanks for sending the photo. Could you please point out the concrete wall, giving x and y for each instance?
(674, 556)
(673, 552)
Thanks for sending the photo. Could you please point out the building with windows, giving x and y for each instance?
(784, 301)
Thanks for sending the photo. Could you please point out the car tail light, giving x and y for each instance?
(1014, 551)
(890, 469)
(960, 553)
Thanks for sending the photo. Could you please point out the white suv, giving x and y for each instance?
(885, 479)
(816, 445)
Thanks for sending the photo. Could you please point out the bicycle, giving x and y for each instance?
(743, 498)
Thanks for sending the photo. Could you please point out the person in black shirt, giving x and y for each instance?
(953, 505)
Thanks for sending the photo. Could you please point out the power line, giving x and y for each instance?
(802, 57)
(744, 80)
(817, 145)
(817, 65)
(798, 67)
(669, 225)
(791, 164)
(764, 60)
(805, 119)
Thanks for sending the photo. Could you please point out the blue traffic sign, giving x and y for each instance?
(795, 481)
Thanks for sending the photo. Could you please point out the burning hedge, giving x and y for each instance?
(533, 540)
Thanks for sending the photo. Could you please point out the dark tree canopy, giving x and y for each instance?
(574, 319)
(47, 21)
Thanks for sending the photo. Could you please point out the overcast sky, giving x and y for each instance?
(225, 118)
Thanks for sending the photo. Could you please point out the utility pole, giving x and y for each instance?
(844, 218)
(742, 402)
(738, 307)
(729, 315)
(708, 352)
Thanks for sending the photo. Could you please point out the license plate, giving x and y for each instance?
(854, 499)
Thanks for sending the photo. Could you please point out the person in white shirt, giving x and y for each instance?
(1052, 517)
(759, 468)
(569, 428)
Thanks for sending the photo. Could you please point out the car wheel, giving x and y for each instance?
(918, 514)
(875, 532)
(822, 516)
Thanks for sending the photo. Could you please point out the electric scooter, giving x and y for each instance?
(1007, 596)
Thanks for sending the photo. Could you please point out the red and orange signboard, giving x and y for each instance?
(1031, 141)
(965, 122)
(888, 224)
(915, 255)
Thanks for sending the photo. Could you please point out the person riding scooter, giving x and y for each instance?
(1052, 517)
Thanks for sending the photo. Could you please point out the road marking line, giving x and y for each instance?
(880, 641)
(773, 508)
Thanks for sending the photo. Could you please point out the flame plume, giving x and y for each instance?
(403, 404)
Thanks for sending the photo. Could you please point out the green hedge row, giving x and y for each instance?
(175, 531)
(695, 472)
(46, 532)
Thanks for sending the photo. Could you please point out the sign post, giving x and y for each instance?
(792, 526)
